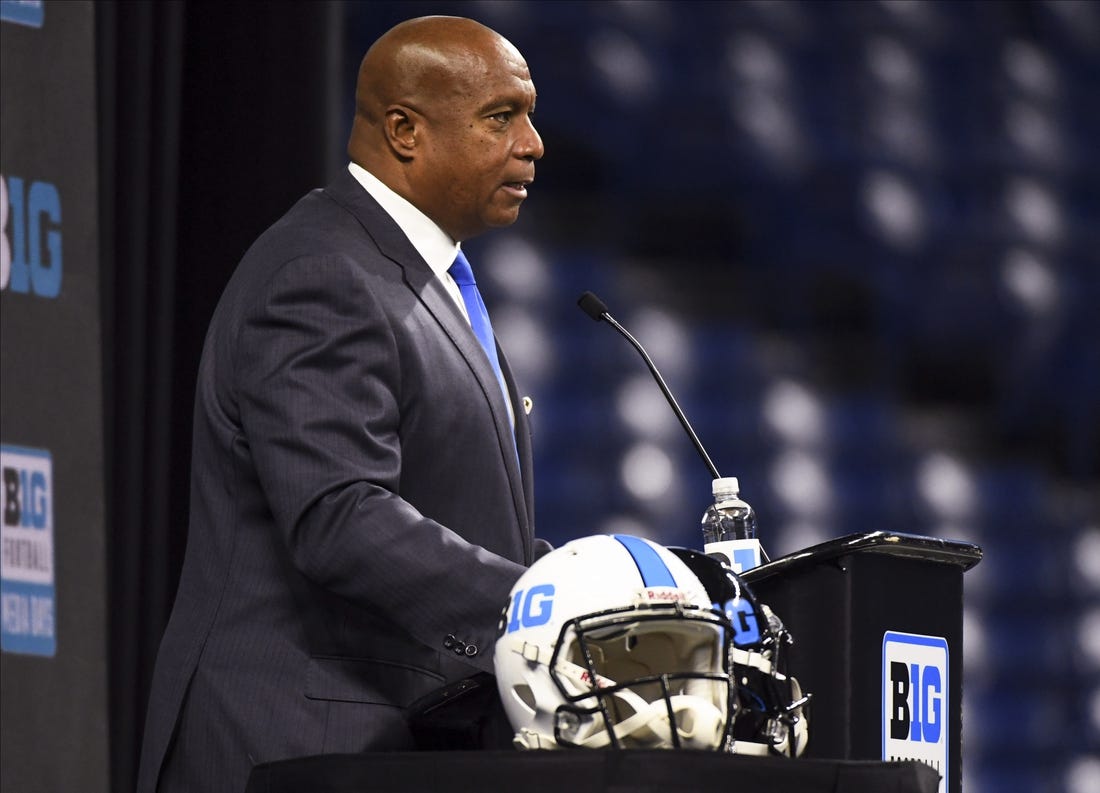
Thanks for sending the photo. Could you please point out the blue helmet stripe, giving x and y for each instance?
(650, 564)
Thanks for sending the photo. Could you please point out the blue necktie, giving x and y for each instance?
(479, 317)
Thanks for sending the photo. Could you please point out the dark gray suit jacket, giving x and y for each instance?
(358, 513)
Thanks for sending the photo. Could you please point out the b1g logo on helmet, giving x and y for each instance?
(914, 700)
(531, 608)
(746, 624)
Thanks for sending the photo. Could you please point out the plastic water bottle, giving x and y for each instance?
(728, 518)
(729, 527)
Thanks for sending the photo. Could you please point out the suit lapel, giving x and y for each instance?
(523, 439)
(393, 243)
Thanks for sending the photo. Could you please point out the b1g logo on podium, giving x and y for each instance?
(27, 622)
(914, 700)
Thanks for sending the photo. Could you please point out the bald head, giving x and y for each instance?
(432, 95)
(417, 59)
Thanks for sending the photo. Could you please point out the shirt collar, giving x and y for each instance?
(430, 241)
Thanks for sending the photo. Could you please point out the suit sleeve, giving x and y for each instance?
(318, 374)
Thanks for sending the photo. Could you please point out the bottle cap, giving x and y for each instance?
(724, 487)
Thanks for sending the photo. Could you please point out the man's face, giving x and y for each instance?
(479, 148)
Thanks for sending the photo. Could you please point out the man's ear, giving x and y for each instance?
(401, 126)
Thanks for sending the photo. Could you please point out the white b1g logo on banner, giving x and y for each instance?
(914, 700)
(27, 587)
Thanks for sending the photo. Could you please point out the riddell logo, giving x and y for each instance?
(915, 700)
(670, 595)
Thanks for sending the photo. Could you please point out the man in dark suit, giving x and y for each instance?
(361, 496)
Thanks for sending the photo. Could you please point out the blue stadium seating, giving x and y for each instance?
(831, 194)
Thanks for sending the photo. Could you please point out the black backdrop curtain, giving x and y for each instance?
(213, 119)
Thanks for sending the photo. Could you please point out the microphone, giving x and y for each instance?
(595, 308)
(740, 553)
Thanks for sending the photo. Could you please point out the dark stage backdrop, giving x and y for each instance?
(53, 610)
(213, 119)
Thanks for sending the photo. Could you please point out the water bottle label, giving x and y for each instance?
(741, 555)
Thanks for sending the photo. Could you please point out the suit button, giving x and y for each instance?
(471, 650)
(450, 641)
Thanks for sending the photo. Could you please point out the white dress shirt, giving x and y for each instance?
(430, 241)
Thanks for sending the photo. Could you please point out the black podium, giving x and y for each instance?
(877, 623)
(584, 771)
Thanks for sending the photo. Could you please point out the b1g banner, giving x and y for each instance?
(915, 700)
(53, 668)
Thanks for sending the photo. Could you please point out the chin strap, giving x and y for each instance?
(698, 724)
(789, 733)
(799, 732)
(529, 739)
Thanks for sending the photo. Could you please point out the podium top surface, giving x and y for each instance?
(585, 771)
(913, 546)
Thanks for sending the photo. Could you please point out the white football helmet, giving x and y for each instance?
(772, 715)
(611, 640)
